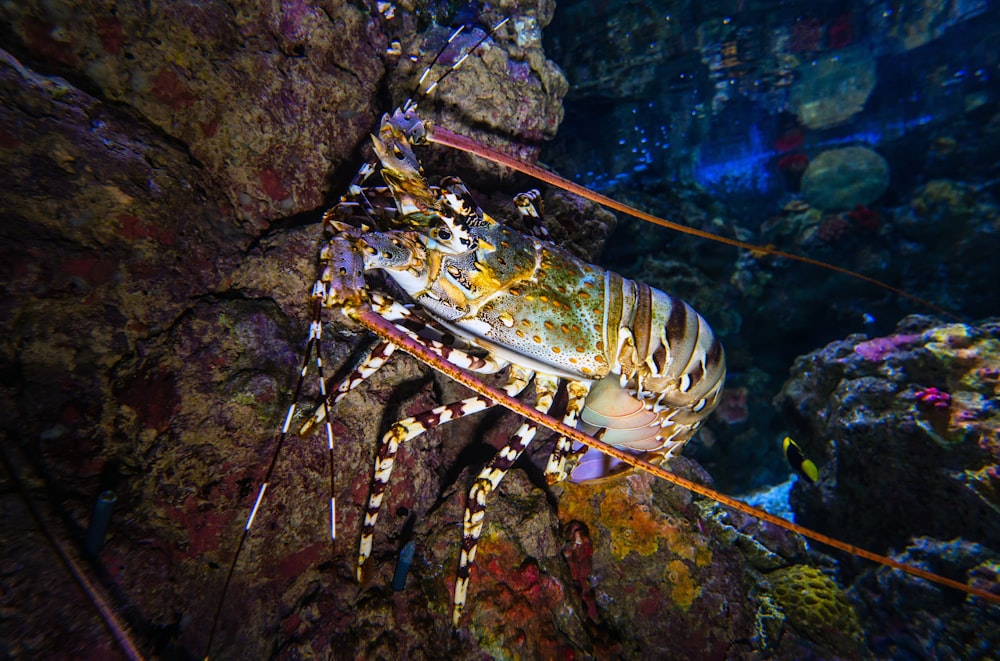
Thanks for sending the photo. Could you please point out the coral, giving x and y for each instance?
(834, 88)
(840, 179)
(789, 140)
(933, 397)
(864, 218)
(840, 32)
(733, 407)
(832, 229)
(806, 36)
(817, 606)
(793, 163)
(928, 20)
(953, 200)
(878, 348)
(792, 167)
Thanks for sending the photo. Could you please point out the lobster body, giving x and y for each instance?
(642, 369)
(651, 366)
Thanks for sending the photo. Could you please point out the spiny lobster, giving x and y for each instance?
(642, 369)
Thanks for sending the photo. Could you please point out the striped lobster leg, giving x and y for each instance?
(528, 204)
(379, 354)
(486, 482)
(409, 428)
(559, 465)
(368, 363)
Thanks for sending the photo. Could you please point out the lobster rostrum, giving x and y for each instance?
(642, 368)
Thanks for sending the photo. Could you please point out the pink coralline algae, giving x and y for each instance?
(880, 347)
(833, 229)
(864, 217)
(171, 90)
(934, 397)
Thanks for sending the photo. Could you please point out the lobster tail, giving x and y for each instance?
(670, 370)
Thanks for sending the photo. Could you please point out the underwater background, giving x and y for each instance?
(166, 165)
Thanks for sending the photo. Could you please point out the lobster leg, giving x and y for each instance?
(486, 482)
(379, 354)
(416, 328)
(528, 205)
(370, 362)
(408, 429)
(556, 469)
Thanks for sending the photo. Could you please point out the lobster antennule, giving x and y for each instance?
(411, 104)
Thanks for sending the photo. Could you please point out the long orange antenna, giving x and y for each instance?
(91, 590)
(447, 138)
(373, 322)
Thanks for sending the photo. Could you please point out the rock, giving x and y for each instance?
(157, 257)
(523, 106)
(660, 561)
(938, 626)
(197, 72)
(907, 421)
(905, 431)
(834, 88)
(840, 179)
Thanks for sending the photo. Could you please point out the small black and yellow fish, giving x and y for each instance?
(804, 467)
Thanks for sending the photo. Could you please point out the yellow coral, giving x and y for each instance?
(625, 509)
(683, 590)
(623, 513)
(815, 605)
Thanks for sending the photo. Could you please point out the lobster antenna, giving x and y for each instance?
(93, 592)
(447, 138)
(410, 103)
(373, 322)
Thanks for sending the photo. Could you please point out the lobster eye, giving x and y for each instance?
(444, 234)
(397, 152)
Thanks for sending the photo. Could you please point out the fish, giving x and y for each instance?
(803, 466)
